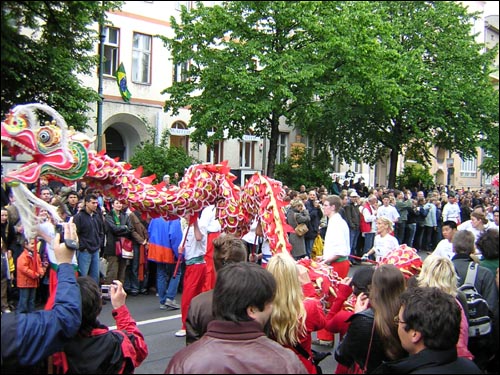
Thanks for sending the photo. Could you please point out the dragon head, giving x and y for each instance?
(54, 150)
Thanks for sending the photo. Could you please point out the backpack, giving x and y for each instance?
(479, 316)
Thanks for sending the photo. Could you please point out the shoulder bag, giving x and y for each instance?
(300, 229)
(124, 248)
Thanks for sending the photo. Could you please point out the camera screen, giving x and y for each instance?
(105, 290)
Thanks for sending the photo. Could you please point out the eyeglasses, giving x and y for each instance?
(397, 320)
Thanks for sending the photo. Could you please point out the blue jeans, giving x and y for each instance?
(369, 238)
(132, 272)
(164, 275)
(400, 231)
(410, 234)
(26, 300)
(353, 236)
(88, 263)
(309, 245)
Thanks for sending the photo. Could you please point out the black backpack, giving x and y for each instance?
(480, 323)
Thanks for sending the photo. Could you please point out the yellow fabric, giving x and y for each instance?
(12, 268)
(317, 249)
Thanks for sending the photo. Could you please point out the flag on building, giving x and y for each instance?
(121, 79)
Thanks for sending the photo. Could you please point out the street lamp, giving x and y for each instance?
(100, 75)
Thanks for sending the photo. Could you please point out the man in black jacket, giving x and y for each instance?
(312, 205)
(428, 327)
(90, 230)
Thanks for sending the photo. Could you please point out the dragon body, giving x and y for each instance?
(62, 154)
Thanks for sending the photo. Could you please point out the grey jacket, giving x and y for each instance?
(294, 217)
(485, 280)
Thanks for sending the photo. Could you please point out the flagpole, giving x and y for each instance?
(100, 75)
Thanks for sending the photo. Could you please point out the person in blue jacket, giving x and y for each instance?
(29, 338)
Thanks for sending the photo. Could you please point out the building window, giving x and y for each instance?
(282, 148)
(356, 167)
(215, 153)
(179, 4)
(179, 136)
(468, 168)
(111, 50)
(180, 72)
(336, 163)
(141, 58)
(247, 149)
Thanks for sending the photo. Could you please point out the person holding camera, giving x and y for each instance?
(96, 349)
(22, 341)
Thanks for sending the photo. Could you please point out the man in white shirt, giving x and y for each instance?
(337, 240)
(210, 222)
(444, 248)
(451, 210)
(194, 250)
(388, 211)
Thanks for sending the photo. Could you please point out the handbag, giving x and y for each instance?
(124, 248)
(301, 229)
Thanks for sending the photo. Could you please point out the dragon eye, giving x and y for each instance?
(44, 136)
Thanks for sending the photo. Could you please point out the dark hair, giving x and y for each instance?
(463, 242)
(91, 304)
(239, 286)
(228, 249)
(90, 197)
(433, 313)
(449, 223)
(361, 280)
(71, 192)
(387, 285)
(488, 243)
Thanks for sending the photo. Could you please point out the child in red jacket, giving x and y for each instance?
(29, 272)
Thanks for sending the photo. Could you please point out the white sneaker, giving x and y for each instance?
(172, 304)
(180, 333)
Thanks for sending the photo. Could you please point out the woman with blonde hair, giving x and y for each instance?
(384, 241)
(294, 317)
(439, 272)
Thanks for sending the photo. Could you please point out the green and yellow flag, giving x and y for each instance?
(121, 79)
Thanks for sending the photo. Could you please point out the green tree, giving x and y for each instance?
(423, 82)
(251, 64)
(305, 168)
(45, 44)
(490, 145)
(414, 176)
(160, 160)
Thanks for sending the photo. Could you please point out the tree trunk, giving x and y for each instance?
(393, 167)
(273, 145)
